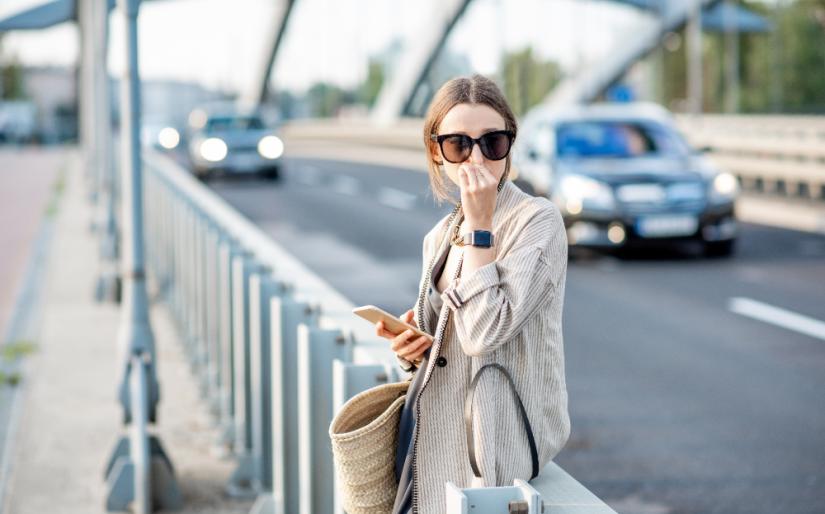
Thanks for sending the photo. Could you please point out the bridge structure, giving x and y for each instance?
(273, 347)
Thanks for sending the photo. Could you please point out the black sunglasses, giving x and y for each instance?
(457, 148)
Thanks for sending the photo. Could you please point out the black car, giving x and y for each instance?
(622, 174)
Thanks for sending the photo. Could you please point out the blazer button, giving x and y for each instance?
(441, 362)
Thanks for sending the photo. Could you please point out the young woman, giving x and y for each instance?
(492, 291)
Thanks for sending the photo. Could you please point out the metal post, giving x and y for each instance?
(351, 379)
(317, 349)
(108, 284)
(262, 288)
(139, 390)
(213, 319)
(229, 251)
(241, 481)
(286, 314)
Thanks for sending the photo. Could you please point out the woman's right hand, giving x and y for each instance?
(406, 345)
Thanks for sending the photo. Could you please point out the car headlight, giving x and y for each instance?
(213, 149)
(576, 191)
(169, 138)
(270, 147)
(724, 187)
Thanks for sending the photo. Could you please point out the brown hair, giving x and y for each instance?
(476, 89)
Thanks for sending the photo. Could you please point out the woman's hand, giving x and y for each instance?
(478, 195)
(406, 345)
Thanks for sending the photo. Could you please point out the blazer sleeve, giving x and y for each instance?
(491, 306)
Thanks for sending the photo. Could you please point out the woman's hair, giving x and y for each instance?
(476, 89)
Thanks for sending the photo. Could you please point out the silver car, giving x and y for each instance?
(622, 175)
(233, 143)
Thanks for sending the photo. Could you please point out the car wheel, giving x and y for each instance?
(273, 173)
(719, 248)
(203, 176)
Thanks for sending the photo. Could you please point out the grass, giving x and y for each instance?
(57, 191)
(11, 379)
(17, 349)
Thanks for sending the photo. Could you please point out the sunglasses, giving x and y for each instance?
(457, 148)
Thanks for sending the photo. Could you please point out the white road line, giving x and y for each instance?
(396, 198)
(308, 175)
(346, 185)
(779, 317)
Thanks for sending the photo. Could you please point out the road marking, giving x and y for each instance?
(779, 317)
(396, 198)
(346, 185)
(309, 175)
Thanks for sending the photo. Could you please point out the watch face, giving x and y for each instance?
(482, 238)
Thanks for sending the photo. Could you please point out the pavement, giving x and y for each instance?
(66, 416)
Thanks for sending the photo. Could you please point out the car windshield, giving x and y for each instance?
(616, 139)
(222, 124)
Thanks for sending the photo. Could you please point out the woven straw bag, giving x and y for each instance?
(364, 436)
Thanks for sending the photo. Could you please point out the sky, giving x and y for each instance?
(222, 43)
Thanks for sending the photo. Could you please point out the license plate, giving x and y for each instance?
(667, 226)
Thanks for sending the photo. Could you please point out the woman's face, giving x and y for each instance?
(473, 120)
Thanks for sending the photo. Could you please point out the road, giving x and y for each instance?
(689, 391)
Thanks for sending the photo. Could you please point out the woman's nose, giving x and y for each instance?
(476, 157)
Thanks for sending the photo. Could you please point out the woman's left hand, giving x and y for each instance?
(478, 195)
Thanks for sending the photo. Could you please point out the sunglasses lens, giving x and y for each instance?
(456, 148)
(495, 146)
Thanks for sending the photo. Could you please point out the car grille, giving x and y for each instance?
(243, 148)
(655, 197)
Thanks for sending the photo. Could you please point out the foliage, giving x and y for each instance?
(526, 79)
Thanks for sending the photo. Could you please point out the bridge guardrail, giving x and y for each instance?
(275, 348)
(772, 154)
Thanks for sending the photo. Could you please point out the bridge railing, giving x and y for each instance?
(769, 154)
(275, 349)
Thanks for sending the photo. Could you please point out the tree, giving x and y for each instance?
(369, 90)
(527, 80)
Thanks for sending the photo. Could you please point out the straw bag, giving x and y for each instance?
(364, 437)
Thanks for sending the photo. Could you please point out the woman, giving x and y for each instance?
(492, 291)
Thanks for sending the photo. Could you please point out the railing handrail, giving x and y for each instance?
(307, 286)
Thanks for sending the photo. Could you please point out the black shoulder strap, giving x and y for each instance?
(468, 420)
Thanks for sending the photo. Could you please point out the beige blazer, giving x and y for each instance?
(507, 312)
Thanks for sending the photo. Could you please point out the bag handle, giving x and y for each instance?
(468, 420)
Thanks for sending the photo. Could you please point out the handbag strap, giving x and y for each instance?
(468, 420)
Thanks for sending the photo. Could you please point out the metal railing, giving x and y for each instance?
(768, 153)
(276, 350)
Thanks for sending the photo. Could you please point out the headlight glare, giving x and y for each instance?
(213, 149)
(578, 191)
(270, 147)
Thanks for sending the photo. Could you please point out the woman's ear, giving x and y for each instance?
(435, 155)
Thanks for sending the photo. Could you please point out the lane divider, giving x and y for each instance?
(396, 198)
(778, 316)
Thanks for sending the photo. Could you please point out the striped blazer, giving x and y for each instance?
(507, 312)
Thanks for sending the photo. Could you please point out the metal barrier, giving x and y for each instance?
(274, 364)
(771, 153)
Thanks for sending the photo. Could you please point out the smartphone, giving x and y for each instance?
(373, 314)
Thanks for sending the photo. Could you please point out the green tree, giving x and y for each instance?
(369, 90)
(326, 99)
(526, 79)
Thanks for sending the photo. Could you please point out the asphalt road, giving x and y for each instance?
(681, 399)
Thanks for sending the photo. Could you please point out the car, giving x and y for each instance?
(159, 133)
(233, 142)
(623, 175)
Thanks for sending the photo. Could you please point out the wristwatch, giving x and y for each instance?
(478, 238)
